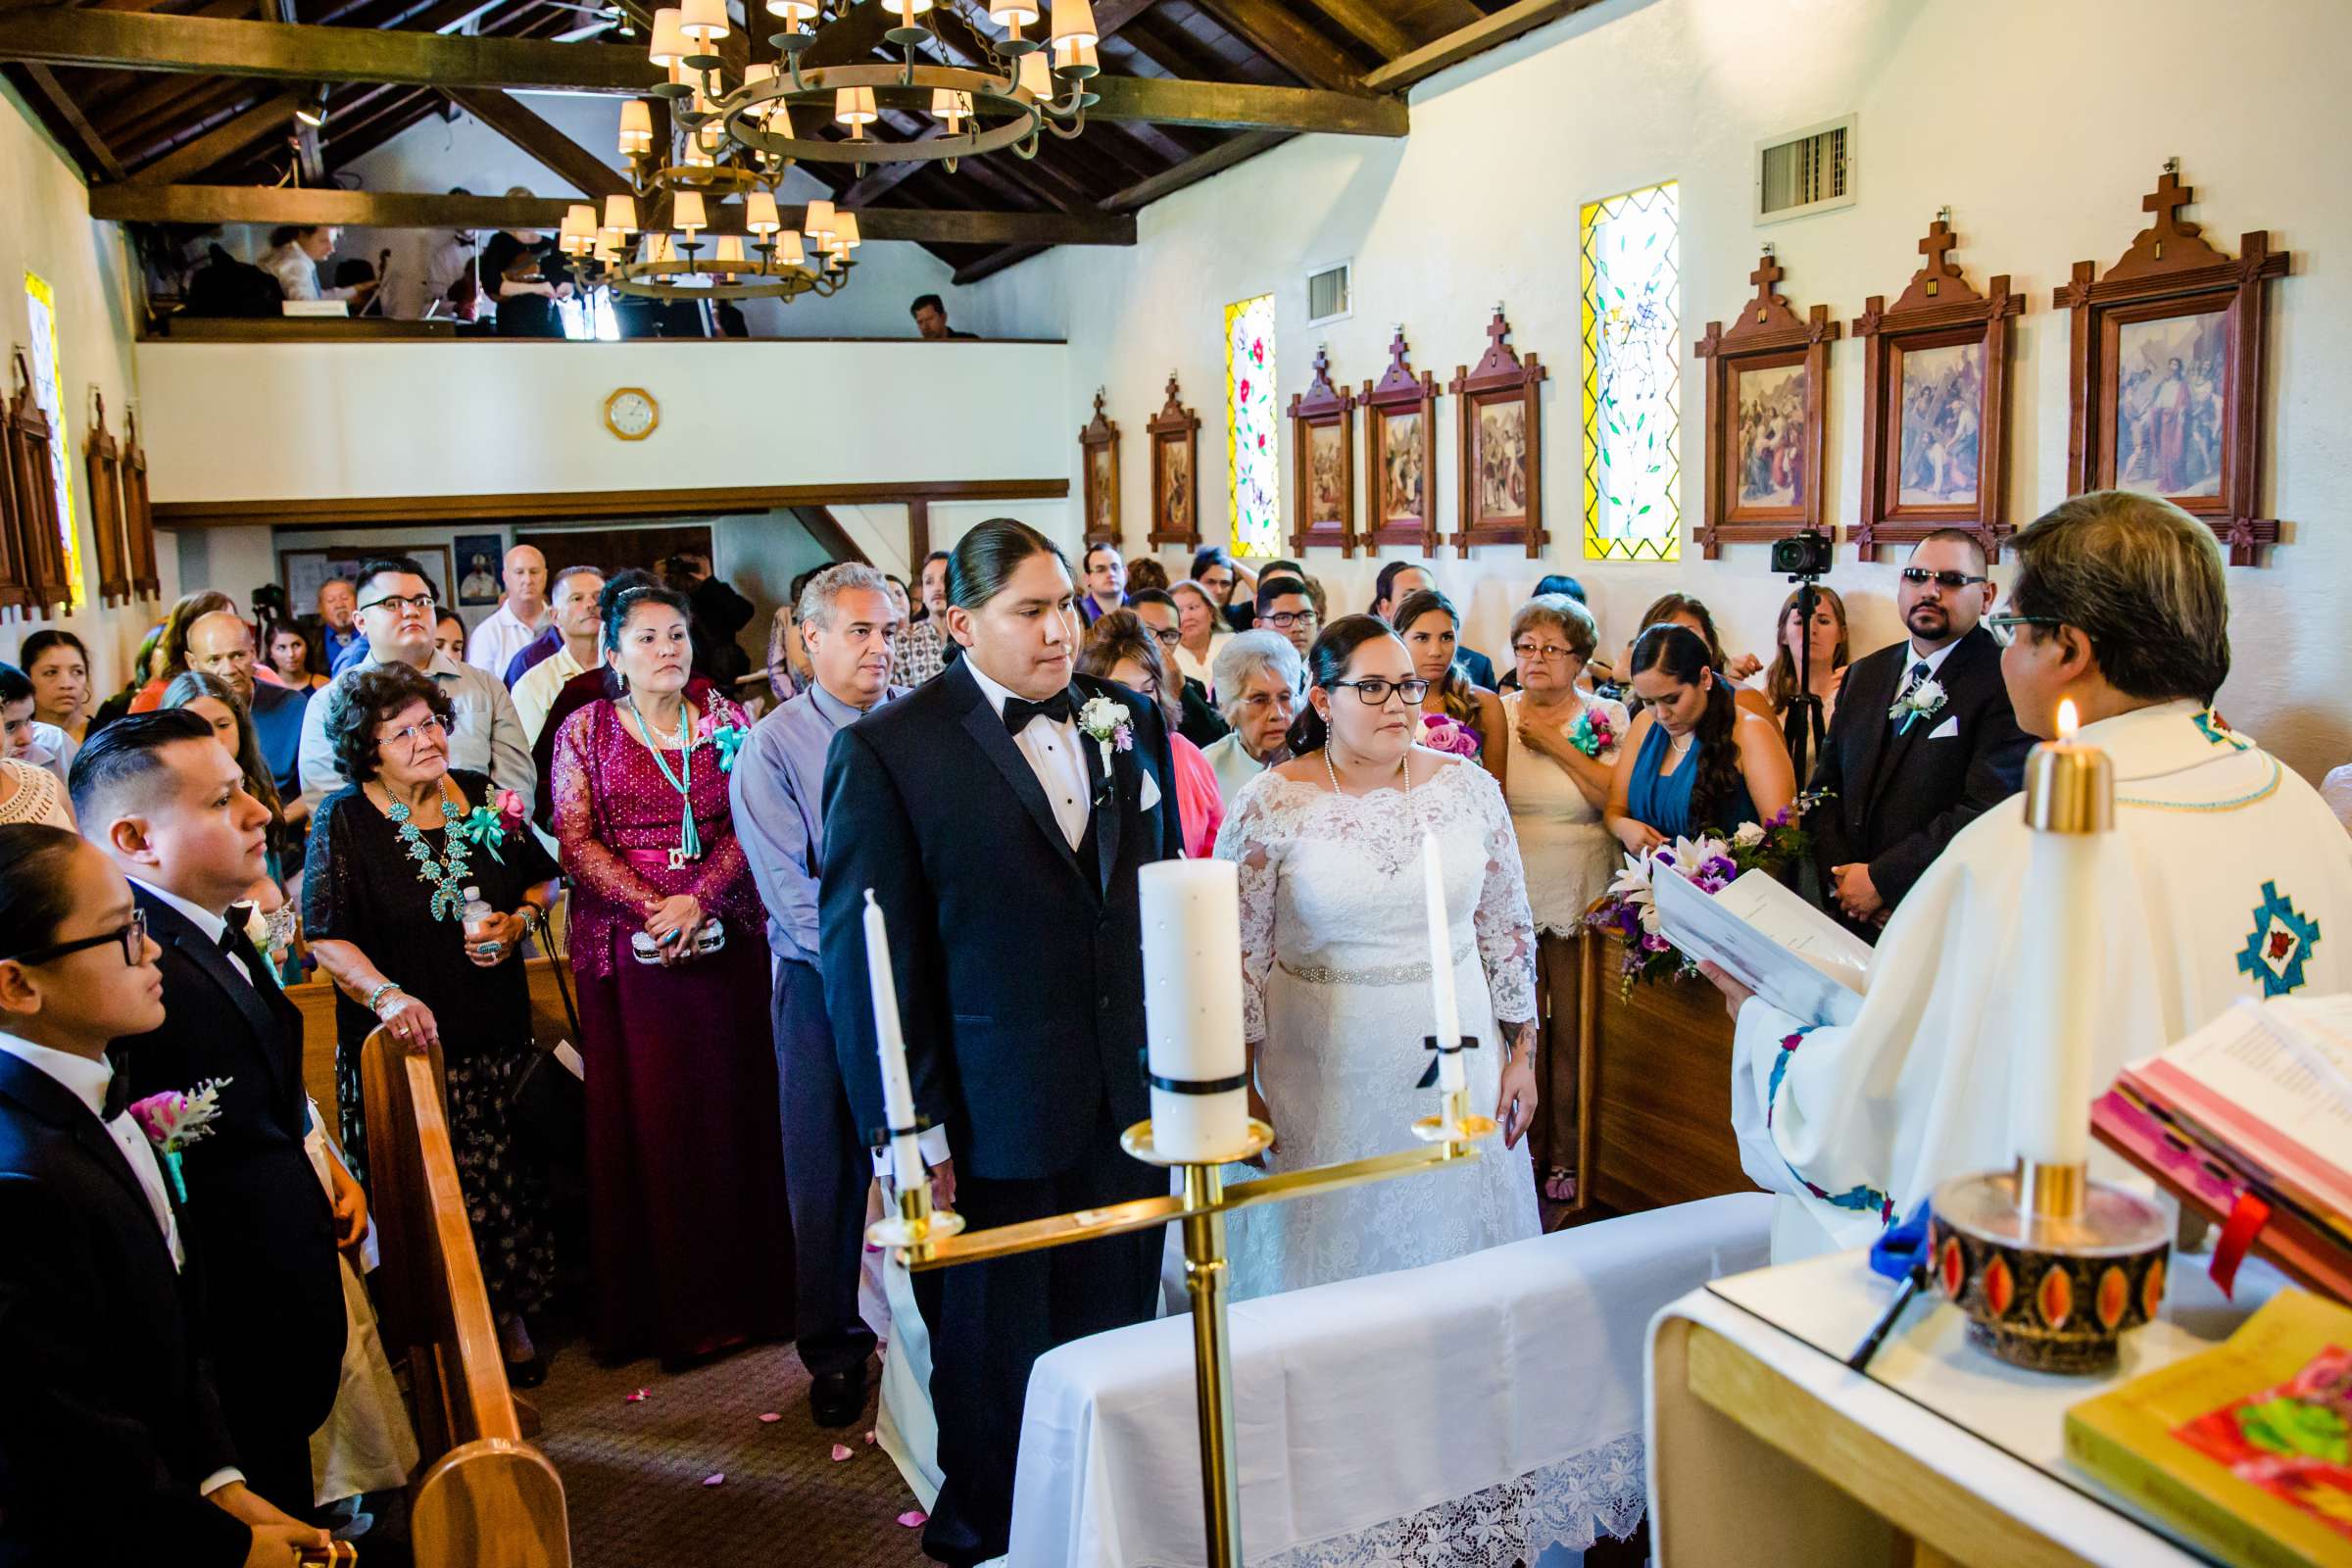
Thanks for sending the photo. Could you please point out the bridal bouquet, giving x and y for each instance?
(1629, 912)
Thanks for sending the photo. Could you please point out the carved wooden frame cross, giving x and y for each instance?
(1398, 395)
(1502, 379)
(1175, 433)
(1939, 310)
(2171, 272)
(1323, 406)
(1098, 476)
(1767, 335)
(38, 548)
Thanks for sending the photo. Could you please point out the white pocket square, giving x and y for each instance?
(1948, 730)
(1150, 795)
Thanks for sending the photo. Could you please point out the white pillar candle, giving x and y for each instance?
(1192, 919)
(1440, 969)
(2059, 969)
(898, 1092)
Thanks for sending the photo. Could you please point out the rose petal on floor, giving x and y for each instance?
(914, 1518)
(869, 1439)
(841, 1451)
(715, 1478)
(638, 1397)
(771, 1415)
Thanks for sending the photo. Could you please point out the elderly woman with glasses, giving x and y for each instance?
(1562, 756)
(416, 892)
(1257, 676)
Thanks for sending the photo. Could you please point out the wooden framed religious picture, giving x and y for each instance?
(1401, 453)
(139, 510)
(102, 457)
(13, 593)
(1500, 447)
(1768, 395)
(1935, 405)
(2166, 391)
(40, 550)
(1175, 436)
(1323, 463)
(1098, 471)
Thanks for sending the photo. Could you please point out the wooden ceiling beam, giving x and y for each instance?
(1193, 170)
(1369, 25)
(563, 157)
(1502, 27)
(62, 102)
(230, 136)
(305, 134)
(1275, 32)
(355, 209)
(1246, 106)
(995, 262)
(1177, 51)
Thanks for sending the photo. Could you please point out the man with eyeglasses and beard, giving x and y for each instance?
(396, 608)
(1923, 740)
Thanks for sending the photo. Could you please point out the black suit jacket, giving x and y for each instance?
(1018, 963)
(1202, 724)
(1899, 798)
(274, 1317)
(107, 1418)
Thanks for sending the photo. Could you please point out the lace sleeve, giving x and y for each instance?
(589, 864)
(1506, 926)
(1247, 839)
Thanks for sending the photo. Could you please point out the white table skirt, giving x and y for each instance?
(1469, 1414)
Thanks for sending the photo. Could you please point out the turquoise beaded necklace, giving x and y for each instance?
(690, 842)
(447, 877)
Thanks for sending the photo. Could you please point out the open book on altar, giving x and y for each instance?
(1770, 940)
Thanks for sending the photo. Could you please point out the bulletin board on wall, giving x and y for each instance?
(611, 550)
(301, 572)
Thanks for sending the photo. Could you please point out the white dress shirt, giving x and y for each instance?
(1933, 662)
(1052, 751)
(86, 1080)
(500, 636)
(536, 694)
(298, 275)
(204, 921)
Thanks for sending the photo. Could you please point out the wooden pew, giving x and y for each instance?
(1654, 1092)
(486, 1497)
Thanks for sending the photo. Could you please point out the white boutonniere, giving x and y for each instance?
(1106, 721)
(1922, 701)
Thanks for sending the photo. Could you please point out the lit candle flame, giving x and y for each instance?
(2068, 720)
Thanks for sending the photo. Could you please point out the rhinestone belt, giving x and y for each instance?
(1386, 974)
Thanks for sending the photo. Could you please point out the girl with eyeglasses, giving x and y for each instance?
(1336, 972)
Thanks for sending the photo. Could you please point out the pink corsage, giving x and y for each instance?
(728, 738)
(1441, 733)
(509, 806)
(176, 1118)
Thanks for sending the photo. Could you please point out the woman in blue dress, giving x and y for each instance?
(1695, 761)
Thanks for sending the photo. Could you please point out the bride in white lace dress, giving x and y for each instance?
(1334, 962)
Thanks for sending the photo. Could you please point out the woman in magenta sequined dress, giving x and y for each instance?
(693, 1243)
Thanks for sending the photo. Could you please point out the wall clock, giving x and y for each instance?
(631, 414)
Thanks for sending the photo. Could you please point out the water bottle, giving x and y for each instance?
(480, 919)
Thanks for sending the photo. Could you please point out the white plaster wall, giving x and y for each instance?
(434, 155)
(255, 422)
(2041, 123)
(45, 229)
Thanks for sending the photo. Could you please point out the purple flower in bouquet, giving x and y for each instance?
(1441, 733)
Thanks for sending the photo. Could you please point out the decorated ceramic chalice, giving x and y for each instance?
(2050, 1292)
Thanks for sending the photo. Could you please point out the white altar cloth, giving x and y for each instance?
(1471, 1413)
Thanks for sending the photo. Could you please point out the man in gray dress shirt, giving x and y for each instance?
(396, 612)
(777, 792)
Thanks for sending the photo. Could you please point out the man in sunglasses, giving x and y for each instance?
(397, 605)
(2223, 878)
(1923, 740)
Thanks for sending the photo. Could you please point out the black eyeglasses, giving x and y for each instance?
(1954, 580)
(1285, 620)
(130, 937)
(1372, 690)
(1168, 636)
(400, 604)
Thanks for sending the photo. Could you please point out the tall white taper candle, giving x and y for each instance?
(898, 1092)
(1191, 918)
(1441, 967)
(2069, 803)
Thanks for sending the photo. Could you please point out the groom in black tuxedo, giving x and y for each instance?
(1001, 842)
(1923, 740)
(165, 800)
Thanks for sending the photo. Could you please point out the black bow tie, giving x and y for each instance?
(235, 919)
(118, 1095)
(1018, 712)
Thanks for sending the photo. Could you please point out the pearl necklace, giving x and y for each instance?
(1677, 745)
(1403, 768)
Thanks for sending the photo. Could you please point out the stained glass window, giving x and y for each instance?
(41, 305)
(1632, 334)
(1253, 449)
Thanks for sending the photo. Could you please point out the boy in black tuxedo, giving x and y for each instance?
(1923, 740)
(112, 1445)
(165, 800)
(1002, 841)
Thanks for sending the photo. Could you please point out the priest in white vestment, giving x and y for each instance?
(2226, 876)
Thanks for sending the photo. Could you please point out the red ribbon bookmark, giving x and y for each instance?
(2247, 1217)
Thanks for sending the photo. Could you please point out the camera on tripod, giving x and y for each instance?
(269, 602)
(1802, 554)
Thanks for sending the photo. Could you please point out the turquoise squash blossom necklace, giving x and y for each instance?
(447, 878)
(690, 842)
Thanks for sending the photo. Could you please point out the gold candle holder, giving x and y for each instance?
(924, 1238)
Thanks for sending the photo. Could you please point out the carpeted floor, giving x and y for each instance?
(634, 1473)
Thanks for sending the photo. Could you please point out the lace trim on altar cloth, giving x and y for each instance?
(1571, 1503)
